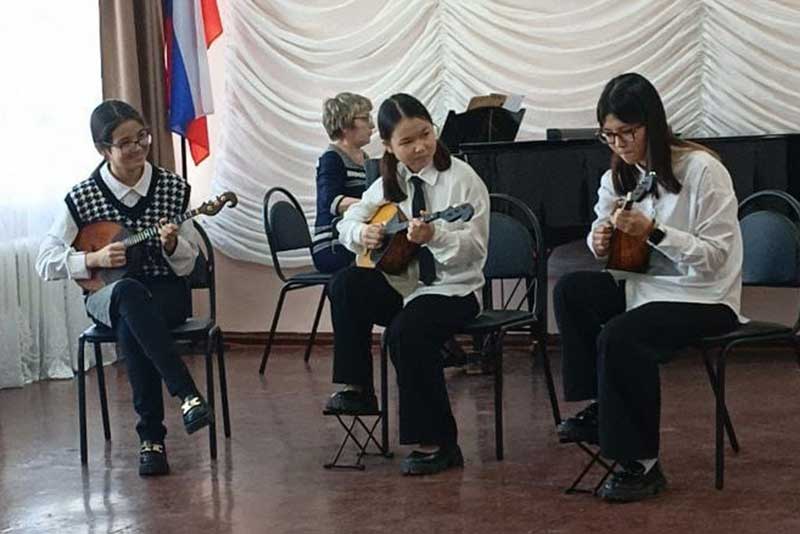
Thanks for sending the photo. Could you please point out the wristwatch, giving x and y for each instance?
(657, 234)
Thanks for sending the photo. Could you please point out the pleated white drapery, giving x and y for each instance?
(39, 321)
(723, 67)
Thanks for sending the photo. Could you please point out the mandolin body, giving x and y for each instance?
(628, 253)
(397, 251)
(95, 236)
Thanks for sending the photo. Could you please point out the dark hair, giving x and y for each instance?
(392, 111)
(634, 100)
(107, 116)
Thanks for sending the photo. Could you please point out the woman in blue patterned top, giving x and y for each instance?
(341, 179)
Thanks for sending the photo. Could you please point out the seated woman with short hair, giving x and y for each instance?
(341, 179)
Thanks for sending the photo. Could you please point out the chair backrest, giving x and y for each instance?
(770, 224)
(516, 252)
(202, 276)
(285, 225)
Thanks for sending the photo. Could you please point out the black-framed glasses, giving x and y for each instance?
(628, 135)
(143, 140)
(364, 117)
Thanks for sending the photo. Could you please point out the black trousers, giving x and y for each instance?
(141, 314)
(361, 298)
(612, 355)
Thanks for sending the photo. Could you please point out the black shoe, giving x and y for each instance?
(419, 463)
(633, 484)
(153, 459)
(581, 427)
(196, 413)
(352, 402)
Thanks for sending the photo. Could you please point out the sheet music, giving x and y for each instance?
(513, 103)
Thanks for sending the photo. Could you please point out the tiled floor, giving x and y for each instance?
(269, 476)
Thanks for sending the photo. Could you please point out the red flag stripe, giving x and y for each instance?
(211, 20)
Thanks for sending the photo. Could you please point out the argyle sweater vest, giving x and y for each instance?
(92, 201)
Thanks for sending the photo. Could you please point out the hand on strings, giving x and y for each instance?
(633, 222)
(372, 235)
(601, 239)
(419, 231)
(168, 233)
(110, 256)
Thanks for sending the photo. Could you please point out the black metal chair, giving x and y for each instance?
(287, 229)
(195, 330)
(516, 252)
(770, 223)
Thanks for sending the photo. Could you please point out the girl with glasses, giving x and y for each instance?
(140, 308)
(616, 327)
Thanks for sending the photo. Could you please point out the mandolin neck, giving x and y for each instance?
(144, 235)
(628, 202)
(403, 225)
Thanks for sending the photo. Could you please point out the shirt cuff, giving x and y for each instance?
(443, 245)
(76, 266)
(181, 260)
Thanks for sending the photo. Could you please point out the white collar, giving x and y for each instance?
(119, 190)
(428, 174)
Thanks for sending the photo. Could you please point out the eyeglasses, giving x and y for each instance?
(364, 117)
(628, 135)
(143, 140)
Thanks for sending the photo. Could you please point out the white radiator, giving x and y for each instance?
(39, 321)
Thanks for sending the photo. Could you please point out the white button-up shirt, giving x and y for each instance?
(459, 248)
(703, 240)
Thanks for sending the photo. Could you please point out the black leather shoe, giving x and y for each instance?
(153, 459)
(419, 463)
(196, 413)
(633, 484)
(581, 427)
(352, 402)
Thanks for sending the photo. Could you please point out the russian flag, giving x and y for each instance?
(190, 26)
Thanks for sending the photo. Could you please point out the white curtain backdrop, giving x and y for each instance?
(51, 56)
(723, 67)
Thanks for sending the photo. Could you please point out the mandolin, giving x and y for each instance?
(396, 252)
(629, 253)
(97, 235)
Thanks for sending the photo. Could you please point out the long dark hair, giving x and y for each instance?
(634, 100)
(392, 111)
(107, 116)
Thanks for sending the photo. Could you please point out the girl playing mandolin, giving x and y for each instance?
(614, 334)
(140, 308)
(421, 307)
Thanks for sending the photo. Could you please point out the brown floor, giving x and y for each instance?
(269, 476)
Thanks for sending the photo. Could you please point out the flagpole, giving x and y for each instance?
(184, 171)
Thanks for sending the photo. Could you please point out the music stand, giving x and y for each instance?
(480, 125)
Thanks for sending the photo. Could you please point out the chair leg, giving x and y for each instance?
(384, 396)
(223, 382)
(212, 428)
(498, 395)
(721, 411)
(275, 318)
(82, 400)
(316, 323)
(797, 349)
(101, 386)
(712, 378)
(548, 376)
